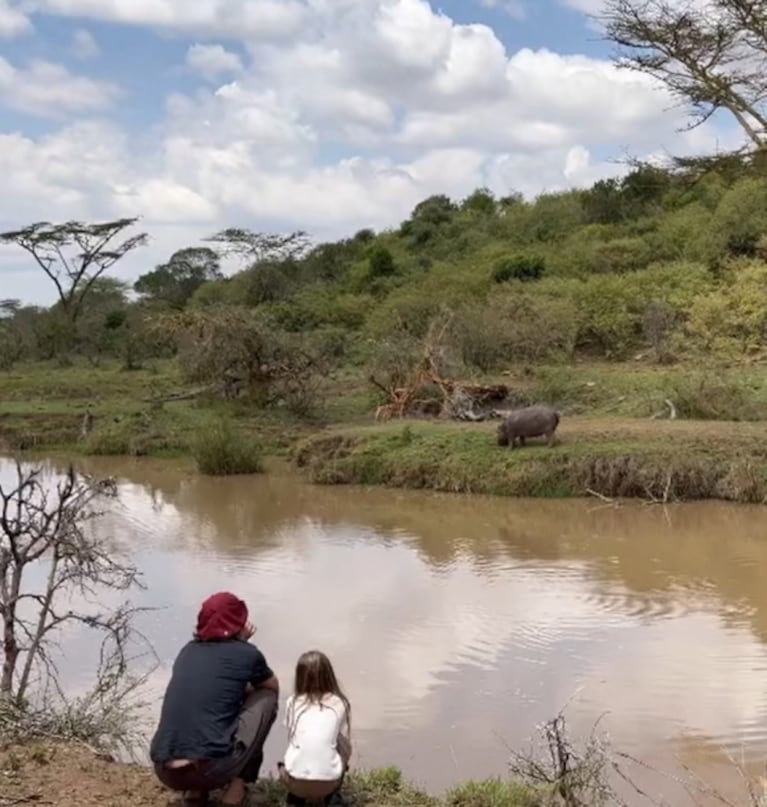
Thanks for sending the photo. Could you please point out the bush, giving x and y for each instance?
(519, 267)
(221, 450)
(658, 322)
(513, 328)
(741, 217)
(732, 320)
(621, 255)
(381, 263)
(712, 397)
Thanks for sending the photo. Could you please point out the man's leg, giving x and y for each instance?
(256, 720)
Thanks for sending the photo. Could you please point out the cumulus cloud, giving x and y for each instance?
(211, 61)
(84, 45)
(13, 21)
(586, 6)
(235, 18)
(51, 90)
(514, 8)
(370, 106)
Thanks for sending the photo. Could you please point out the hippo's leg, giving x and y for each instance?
(522, 441)
(550, 439)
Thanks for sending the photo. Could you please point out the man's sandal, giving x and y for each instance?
(198, 800)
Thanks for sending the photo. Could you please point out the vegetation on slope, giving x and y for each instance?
(605, 302)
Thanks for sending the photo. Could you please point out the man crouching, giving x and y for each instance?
(218, 709)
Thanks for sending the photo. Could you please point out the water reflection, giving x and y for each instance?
(460, 623)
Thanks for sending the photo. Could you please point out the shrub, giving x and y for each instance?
(381, 263)
(514, 328)
(221, 450)
(621, 255)
(519, 267)
(658, 322)
(712, 397)
(733, 319)
(739, 221)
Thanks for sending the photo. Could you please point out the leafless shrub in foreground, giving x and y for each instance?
(561, 773)
(54, 570)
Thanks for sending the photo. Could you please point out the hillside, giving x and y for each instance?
(632, 299)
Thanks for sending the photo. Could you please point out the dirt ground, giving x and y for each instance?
(73, 776)
(69, 775)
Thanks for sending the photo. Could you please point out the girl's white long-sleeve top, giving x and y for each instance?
(313, 731)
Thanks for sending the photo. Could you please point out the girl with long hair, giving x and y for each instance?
(318, 719)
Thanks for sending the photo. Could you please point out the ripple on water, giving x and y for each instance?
(449, 629)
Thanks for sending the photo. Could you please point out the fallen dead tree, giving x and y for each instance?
(430, 393)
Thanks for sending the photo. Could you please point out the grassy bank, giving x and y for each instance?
(608, 442)
(65, 775)
(42, 408)
(661, 460)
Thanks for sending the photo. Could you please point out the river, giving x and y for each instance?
(458, 624)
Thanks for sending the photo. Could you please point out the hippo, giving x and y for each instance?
(532, 421)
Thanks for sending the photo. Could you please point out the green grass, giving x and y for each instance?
(615, 458)
(221, 450)
(640, 390)
(385, 787)
(608, 442)
(42, 407)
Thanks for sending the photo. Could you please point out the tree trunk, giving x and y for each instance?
(11, 649)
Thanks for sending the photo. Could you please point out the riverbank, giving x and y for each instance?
(64, 775)
(609, 444)
(656, 461)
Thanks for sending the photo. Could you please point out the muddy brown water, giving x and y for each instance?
(458, 624)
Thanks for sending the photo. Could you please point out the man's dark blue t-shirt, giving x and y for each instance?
(204, 698)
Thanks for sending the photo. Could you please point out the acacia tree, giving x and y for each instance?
(75, 254)
(46, 535)
(711, 54)
(255, 247)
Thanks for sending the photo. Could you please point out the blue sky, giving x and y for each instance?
(325, 115)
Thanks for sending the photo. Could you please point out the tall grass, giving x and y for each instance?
(222, 450)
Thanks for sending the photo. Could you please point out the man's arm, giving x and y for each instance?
(270, 683)
(262, 676)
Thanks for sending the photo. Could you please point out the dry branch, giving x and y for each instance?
(458, 399)
(178, 396)
(46, 532)
(672, 413)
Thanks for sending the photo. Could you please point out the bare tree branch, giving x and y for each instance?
(49, 526)
(711, 55)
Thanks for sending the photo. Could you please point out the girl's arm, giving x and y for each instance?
(344, 725)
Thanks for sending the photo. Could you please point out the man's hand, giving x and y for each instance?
(248, 631)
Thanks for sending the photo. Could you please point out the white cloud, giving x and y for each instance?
(212, 60)
(84, 45)
(514, 8)
(13, 21)
(50, 90)
(369, 107)
(239, 18)
(585, 6)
